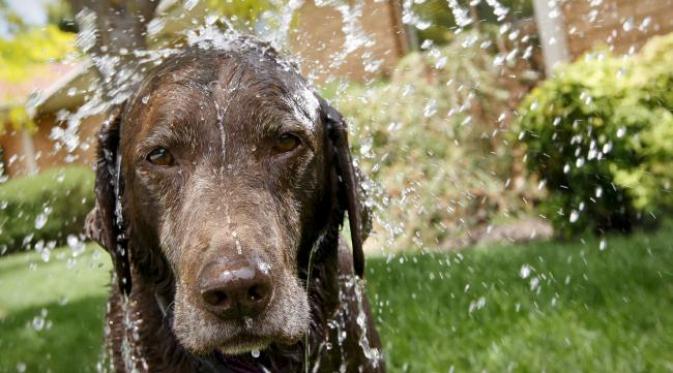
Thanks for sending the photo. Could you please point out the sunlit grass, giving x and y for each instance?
(51, 313)
(578, 309)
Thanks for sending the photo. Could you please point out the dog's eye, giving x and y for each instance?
(160, 157)
(286, 143)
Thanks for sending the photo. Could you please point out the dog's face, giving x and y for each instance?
(227, 169)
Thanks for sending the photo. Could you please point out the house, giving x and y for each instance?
(317, 38)
(570, 28)
(26, 141)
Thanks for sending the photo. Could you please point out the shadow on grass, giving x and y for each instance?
(70, 339)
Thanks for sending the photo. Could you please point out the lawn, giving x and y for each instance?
(582, 306)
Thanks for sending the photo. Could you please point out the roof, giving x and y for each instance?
(67, 92)
(17, 93)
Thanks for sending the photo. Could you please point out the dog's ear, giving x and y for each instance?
(349, 191)
(105, 224)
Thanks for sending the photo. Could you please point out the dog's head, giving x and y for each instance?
(227, 168)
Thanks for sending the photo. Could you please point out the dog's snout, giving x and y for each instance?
(234, 289)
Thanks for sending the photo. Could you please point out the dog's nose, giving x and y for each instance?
(234, 289)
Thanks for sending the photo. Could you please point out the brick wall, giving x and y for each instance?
(624, 25)
(318, 39)
(46, 155)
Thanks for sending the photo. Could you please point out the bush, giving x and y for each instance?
(429, 140)
(599, 134)
(43, 210)
(437, 19)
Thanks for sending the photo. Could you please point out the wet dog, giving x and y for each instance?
(221, 187)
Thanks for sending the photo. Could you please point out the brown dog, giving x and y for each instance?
(221, 186)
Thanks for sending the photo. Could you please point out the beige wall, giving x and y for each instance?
(589, 26)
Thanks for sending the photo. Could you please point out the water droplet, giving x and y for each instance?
(574, 215)
(602, 245)
(477, 305)
(430, 108)
(645, 24)
(423, 24)
(40, 220)
(461, 15)
(40, 320)
(155, 26)
(75, 244)
(254, 353)
(525, 271)
(621, 132)
(607, 147)
(38, 323)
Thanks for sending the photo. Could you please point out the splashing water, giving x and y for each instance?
(431, 130)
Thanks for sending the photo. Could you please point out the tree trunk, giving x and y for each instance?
(110, 31)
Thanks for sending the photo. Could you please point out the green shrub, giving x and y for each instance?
(599, 134)
(427, 140)
(46, 207)
(438, 22)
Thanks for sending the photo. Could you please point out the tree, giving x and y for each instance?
(110, 31)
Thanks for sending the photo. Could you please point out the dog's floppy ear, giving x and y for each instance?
(105, 224)
(348, 187)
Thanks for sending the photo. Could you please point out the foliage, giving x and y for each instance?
(20, 55)
(42, 210)
(242, 12)
(17, 116)
(599, 133)
(59, 12)
(578, 308)
(23, 57)
(430, 139)
(439, 18)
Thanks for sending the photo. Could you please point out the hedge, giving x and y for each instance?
(599, 134)
(44, 209)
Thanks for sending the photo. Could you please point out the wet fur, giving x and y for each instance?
(155, 246)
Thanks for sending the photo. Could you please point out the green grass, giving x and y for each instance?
(591, 310)
(61, 195)
(68, 294)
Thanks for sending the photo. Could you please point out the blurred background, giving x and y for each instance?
(518, 156)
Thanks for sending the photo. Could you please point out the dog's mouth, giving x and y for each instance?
(242, 343)
(237, 337)
(247, 340)
(284, 321)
